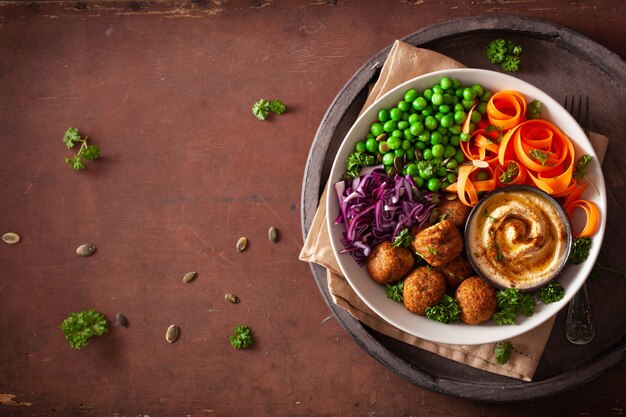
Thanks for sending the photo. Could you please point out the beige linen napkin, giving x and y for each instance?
(405, 62)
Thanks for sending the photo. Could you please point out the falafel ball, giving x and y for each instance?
(457, 270)
(423, 288)
(439, 244)
(477, 300)
(387, 264)
(455, 211)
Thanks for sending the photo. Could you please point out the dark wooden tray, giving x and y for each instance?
(559, 61)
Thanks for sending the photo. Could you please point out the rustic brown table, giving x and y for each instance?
(165, 90)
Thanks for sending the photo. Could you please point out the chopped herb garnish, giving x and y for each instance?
(540, 156)
(356, 161)
(512, 302)
(581, 166)
(395, 291)
(551, 293)
(510, 173)
(580, 250)
(262, 108)
(432, 250)
(446, 311)
(534, 110)
(403, 239)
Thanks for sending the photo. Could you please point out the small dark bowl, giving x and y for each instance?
(524, 188)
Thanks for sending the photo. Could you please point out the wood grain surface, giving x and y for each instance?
(165, 89)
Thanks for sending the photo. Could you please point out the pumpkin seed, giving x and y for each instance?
(381, 137)
(450, 196)
(231, 298)
(398, 164)
(418, 155)
(479, 163)
(11, 238)
(434, 216)
(86, 249)
(121, 320)
(241, 244)
(392, 171)
(273, 234)
(172, 333)
(189, 276)
(384, 148)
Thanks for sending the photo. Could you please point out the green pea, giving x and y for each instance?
(414, 118)
(447, 121)
(427, 154)
(482, 175)
(389, 126)
(406, 144)
(438, 116)
(459, 157)
(376, 129)
(458, 92)
(388, 158)
(449, 151)
(437, 99)
(383, 115)
(394, 142)
(476, 116)
(412, 170)
(420, 145)
(435, 138)
(434, 184)
(423, 174)
(430, 123)
(448, 99)
(418, 181)
(469, 94)
(478, 89)
(465, 136)
(455, 140)
(360, 146)
(403, 124)
(459, 107)
(410, 95)
(410, 153)
(459, 116)
(451, 178)
(438, 150)
(405, 116)
(395, 114)
(438, 160)
(371, 145)
(408, 135)
(444, 108)
(399, 152)
(404, 106)
(437, 89)
(397, 133)
(452, 163)
(383, 147)
(428, 93)
(455, 129)
(417, 128)
(427, 111)
(468, 104)
(456, 83)
(420, 103)
(442, 130)
(486, 96)
(445, 139)
(445, 83)
(482, 107)
(369, 135)
(424, 136)
(441, 172)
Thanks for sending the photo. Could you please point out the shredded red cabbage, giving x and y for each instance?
(376, 207)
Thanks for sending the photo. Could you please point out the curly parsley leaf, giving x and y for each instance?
(580, 250)
(551, 293)
(75, 162)
(510, 173)
(71, 137)
(241, 337)
(503, 352)
(581, 166)
(504, 53)
(427, 167)
(512, 302)
(262, 108)
(79, 327)
(88, 152)
(534, 110)
(446, 311)
(395, 291)
(356, 161)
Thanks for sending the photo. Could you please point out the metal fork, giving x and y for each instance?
(579, 327)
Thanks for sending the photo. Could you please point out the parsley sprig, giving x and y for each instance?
(71, 138)
(80, 326)
(241, 337)
(262, 108)
(446, 311)
(551, 293)
(356, 161)
(510, 173)
(512, 302)
(534, 110)
(403, 239)
(504, 53)
(503, 351)
(395, 291)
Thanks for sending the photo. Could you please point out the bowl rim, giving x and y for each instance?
(525, 188)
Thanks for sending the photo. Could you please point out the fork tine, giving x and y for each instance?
(586, 120)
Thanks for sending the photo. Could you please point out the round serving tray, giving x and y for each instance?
(559, 61)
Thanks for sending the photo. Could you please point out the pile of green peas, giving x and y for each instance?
(426, 126)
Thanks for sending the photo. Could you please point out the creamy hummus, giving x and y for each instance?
(517, 239)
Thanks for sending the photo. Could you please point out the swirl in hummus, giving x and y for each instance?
(517, 239)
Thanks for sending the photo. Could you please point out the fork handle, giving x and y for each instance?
(579, 327)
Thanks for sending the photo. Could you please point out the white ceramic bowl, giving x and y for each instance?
(374, 295)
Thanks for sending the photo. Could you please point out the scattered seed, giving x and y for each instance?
(172, 333)
(398, 164)
(379, 158)
(384, 148)
(381, 137)
(392, 171)
(434, 216)
(189, 276)
(418, 155)
(11, 238)
(86, 250)
(231, 298)
(273, 234)
(444, 162)
(451, 196)
(241, 244)
(479, 163)
(121, 320)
